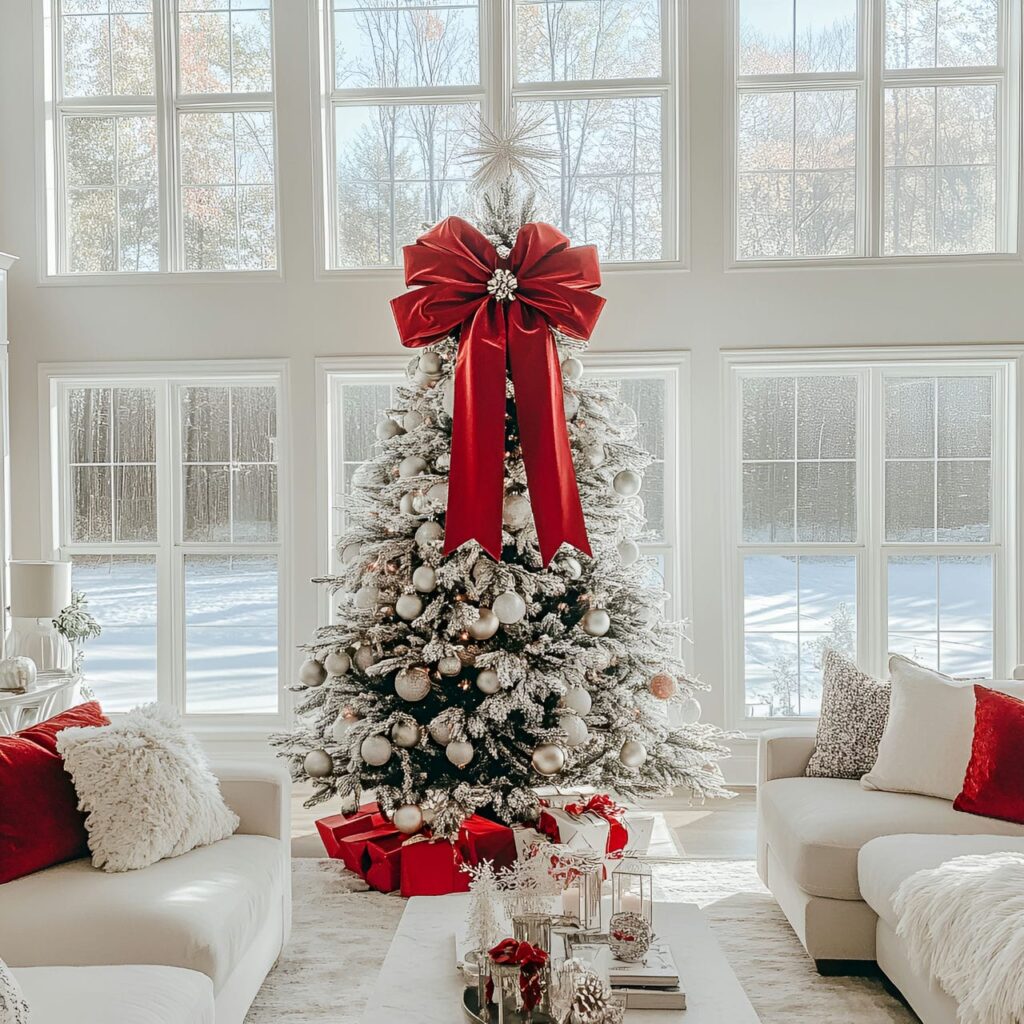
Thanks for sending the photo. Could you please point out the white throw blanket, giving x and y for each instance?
(963, 923)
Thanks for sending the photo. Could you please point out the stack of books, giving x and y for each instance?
(650, 984)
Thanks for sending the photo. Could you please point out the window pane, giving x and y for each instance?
(941, 33)
(965, 417)
(362, 408)
(224, 48)
(135, 503)
(576, 40)
(207, 513)
(964, 502)
(231, 663)
(795, 608)
(120, 665)
(134, 424)
(826, 495)
(909, 417)
(608, 191)
(107, 50)
(379, 45)
(768, 502)
(89, 424)
(254, 504)
(910, 502)
(769, 405)
(397, 168)
(206, 416)
(827, 420)
(91, 513)
(825, 36)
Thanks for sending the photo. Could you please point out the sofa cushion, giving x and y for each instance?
(199, 911)
(816, 827)
(886, 862)
(127, 995)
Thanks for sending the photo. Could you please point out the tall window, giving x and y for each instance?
(406, 80)
(167, 505)
(161, 153)
(871, 517)
(876, 128)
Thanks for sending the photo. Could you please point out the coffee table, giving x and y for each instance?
(419, 984)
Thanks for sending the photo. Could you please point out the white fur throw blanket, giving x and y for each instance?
(963, 923)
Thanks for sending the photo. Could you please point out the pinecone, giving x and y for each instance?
(590, 1004)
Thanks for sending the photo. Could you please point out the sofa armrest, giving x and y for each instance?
(784, 753)
(260, 794)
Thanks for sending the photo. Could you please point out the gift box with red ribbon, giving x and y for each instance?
(596, 825)
(336, 827)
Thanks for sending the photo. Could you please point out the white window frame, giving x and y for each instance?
(1005, 364)
(674, 368)
(166, 104)
(497, 93)
(870, 81)
(170, 550)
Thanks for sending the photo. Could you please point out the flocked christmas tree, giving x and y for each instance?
(474, 656)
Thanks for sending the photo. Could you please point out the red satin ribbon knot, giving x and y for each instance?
(453, 264)
(531, 960)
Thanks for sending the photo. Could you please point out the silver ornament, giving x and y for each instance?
(633, 753)
(487, 681)
(340, 728)
(442, 462)
(412, 684)
(419, 502)
(576, 698)
(627, 483)
(596, 622)
(629, 936)
(407, 504)
(516, 512)
(440, 733)
(367, 596)
(411, 465)
(351, 552)
(438, 494)
(449, 666)
(689, 711)
(318, 764)
(596, 456)
(486, 625)
(405, 734)
(429, 532)
(387, 429)
(448, 397)
(572, 567)
(408, 819)
(548, 759)
(364, 658)
(424, 579)
(375, 750)
(409, 606)
(312, 672)
(509, 607)
(413, 419)
(629, 551)
(570, 404)
(572, 368)
(575, 729)
(459, 752)
(337, 663)
(430, 362)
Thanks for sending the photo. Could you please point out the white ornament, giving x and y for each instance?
(577, 698)
(509, 607)
(337, 663)
(429, 532)
(367, 596)
(689, 711)
(438, 494)
(575, 729)
(424, 579)
(629, 551)
(312, 672)
(516, 511)
(419, 502)
(627, 483)
(548, 759)
(442, 462)
(318, 764)
(487, 681)
(412, 684)
(486, 625)
(597, 622)
(596, 456)
(340, 728)
(409, 606)
(440, 733)
(570, 404)
(572, 368)
(351, 552)
(375, 750)
(405, 734)
(449, 666)
(633, 753)
(19, 673)
(364, 658)
(448, 397)
(387, 429)
(408, 819)
(572, 567)
(430, 362)
(411, 465)
(407, 504)
(413, 419)
(459, 752)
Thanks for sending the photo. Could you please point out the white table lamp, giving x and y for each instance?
(40, 591)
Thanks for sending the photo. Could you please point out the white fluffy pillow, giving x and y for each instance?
(13, 1008)
(146, 787)
(927, 741)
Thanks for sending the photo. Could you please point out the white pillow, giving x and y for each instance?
(146, 787)
(13, 1008)
(926, 745)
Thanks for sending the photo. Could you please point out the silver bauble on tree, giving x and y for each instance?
(430, 362)
(405, 734)
(572, 368)
(429, 532)
(411, 465)
(629, 551)
(367, 597)
(690, 711)
(340, 728)
(407, 504)
(312, 672)
(516, 512)
(440, 733)
(548, 759)
(487, 681)
(438, 494)
(459, 752)
(449, 665)
(627, 483)
(364, 658)
(408, 819)
(424, 579)
(387, 429)
(571, 567)
(485, 626)
(409, 606)
(509, 607)
(351, 552)
(596, 622)
(318, 764)
(413, 419)
(575, 729)
(595, 456)
(412, 684)
(375, 750)
(578, 699)
(633, 754)
(337, 663)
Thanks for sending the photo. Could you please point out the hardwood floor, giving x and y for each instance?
(715, 830)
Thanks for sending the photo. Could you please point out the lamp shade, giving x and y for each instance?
(40, 590)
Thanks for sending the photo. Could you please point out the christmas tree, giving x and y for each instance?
(497, 630)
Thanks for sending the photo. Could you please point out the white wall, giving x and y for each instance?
(704, 310)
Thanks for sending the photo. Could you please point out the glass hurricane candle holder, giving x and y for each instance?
(633, 889)
(506, 999)
(581, 896)
(534, 929)
(476, 973)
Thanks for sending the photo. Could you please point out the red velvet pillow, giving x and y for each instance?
(994, 783)
(40, 823)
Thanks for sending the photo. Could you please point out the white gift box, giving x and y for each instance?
(640, 826)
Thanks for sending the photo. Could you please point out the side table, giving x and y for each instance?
(22, 710)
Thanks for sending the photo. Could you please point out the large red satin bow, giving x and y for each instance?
(454, 263)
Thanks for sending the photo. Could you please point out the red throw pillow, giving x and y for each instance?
(994, 783)
(40, 823)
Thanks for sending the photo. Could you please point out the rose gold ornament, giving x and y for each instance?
(663, 686)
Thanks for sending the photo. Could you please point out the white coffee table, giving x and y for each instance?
(418, 983)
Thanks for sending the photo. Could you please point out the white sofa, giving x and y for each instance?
(189, 939)
(833, 854)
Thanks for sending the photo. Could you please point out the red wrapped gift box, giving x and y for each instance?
(333, 829)
(385, 855)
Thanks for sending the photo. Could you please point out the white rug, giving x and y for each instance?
(341, 933)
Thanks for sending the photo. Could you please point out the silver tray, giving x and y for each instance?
(472, 1011)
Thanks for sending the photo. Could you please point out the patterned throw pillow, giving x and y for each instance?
(854, 709)
(13, 1008)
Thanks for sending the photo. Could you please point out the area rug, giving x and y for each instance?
(341, 932)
